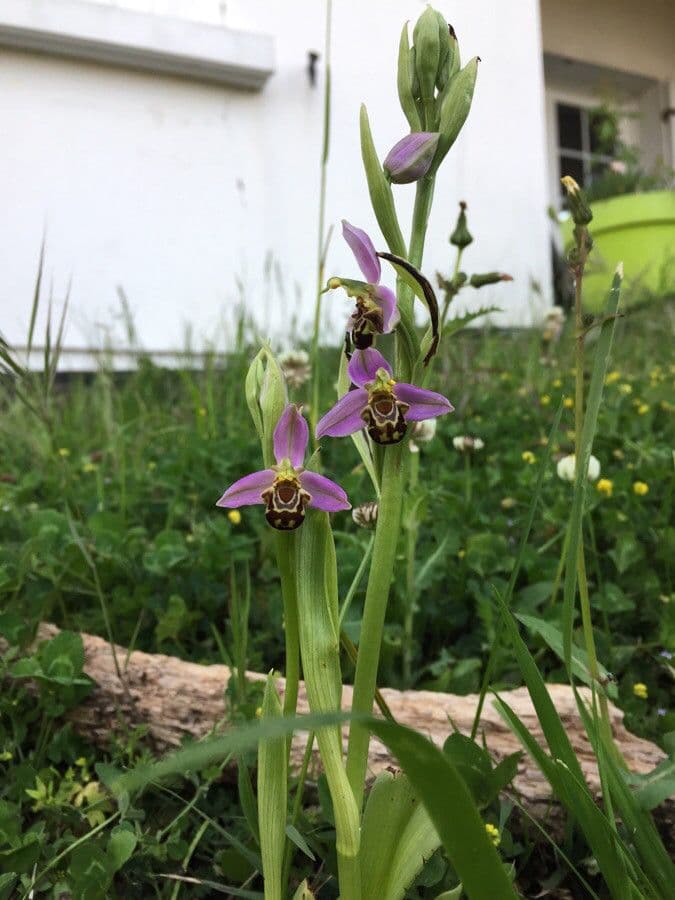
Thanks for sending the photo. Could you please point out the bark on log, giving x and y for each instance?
(175, 699)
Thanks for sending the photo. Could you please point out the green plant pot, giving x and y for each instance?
(638, 230)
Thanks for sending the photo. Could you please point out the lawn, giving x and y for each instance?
(109, 525)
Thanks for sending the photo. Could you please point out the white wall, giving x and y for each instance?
(179, 190)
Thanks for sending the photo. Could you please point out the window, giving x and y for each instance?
(586, 142)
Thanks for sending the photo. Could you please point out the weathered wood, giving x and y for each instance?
(174, 699)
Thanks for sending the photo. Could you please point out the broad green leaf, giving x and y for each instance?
(272, 796)
(121, 845)
(381, 195)
(452, 811)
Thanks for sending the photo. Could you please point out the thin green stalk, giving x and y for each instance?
(375, 608)
(321, 241)
(450, 295)
(285, 551)
(410, 592)
(586, 617)
(467, 480)
(423, 200)
(356, 581)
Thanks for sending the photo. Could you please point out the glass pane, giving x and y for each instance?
(569, 127)
(604, 131)
(574, 167)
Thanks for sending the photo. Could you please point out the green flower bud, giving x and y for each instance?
(461, 237)
(427, 53)
(455, 107)
(448, 47)
(404, 82)
(576, 200)
(266, 397)
(479, 281)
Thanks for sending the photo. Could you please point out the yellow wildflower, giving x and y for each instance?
(64, 452)
(612, 377)
(625, 389)
(528, 457)
(605, 486)
(557, 382)
(493, 833)
(643, 409)
(505, 376)
(461, 554)
(508, 503)
(568, 403)
(202, 411)
(544, 399)
(640, 690)
(640, 488)
(152, 466)
(88, 467)
(234, 516)
(258, 712)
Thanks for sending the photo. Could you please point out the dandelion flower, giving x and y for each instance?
(612, 377)
(640, 488)
(234, 516)
(528, 457)
(625, 389)
(508, 503)
(605, 486)
(643, 409)
(64, 452)
(544, 400)
(640, 690)
(568, 403)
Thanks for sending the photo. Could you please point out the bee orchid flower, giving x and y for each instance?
(379, 403)
(376, 311)
(287, 489)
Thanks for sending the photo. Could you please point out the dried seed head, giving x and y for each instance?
(365, 515)
(467, 444)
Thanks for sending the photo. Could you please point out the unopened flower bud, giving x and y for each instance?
(461, 237)
(479, 281)
(576, 199)
(410, 159)
(365, 515)
(427, 44)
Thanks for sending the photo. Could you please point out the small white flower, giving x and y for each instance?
(424, 430)
(566, 468)
(467, 444)
(295, 366)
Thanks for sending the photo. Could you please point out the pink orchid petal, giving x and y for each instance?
(291, 436)
(423, 404)
(364, 251)
(345, 417)
(364, 364)
(386, 300)
(326, 494)
(247, 490)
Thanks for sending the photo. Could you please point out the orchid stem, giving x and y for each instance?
(285, 551)
(375, 608)
(410, 592)
(321, 248)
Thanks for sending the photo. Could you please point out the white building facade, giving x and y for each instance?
(170, 149)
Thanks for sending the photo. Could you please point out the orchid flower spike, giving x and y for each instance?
(287, 488)
(379, 403)
(376, 311)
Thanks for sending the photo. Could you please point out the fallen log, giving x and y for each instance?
(176, 699)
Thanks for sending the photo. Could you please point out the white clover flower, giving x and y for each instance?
(566, 468)
(296, 367)
(553, 324)
(467, 444)
(424, 430)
